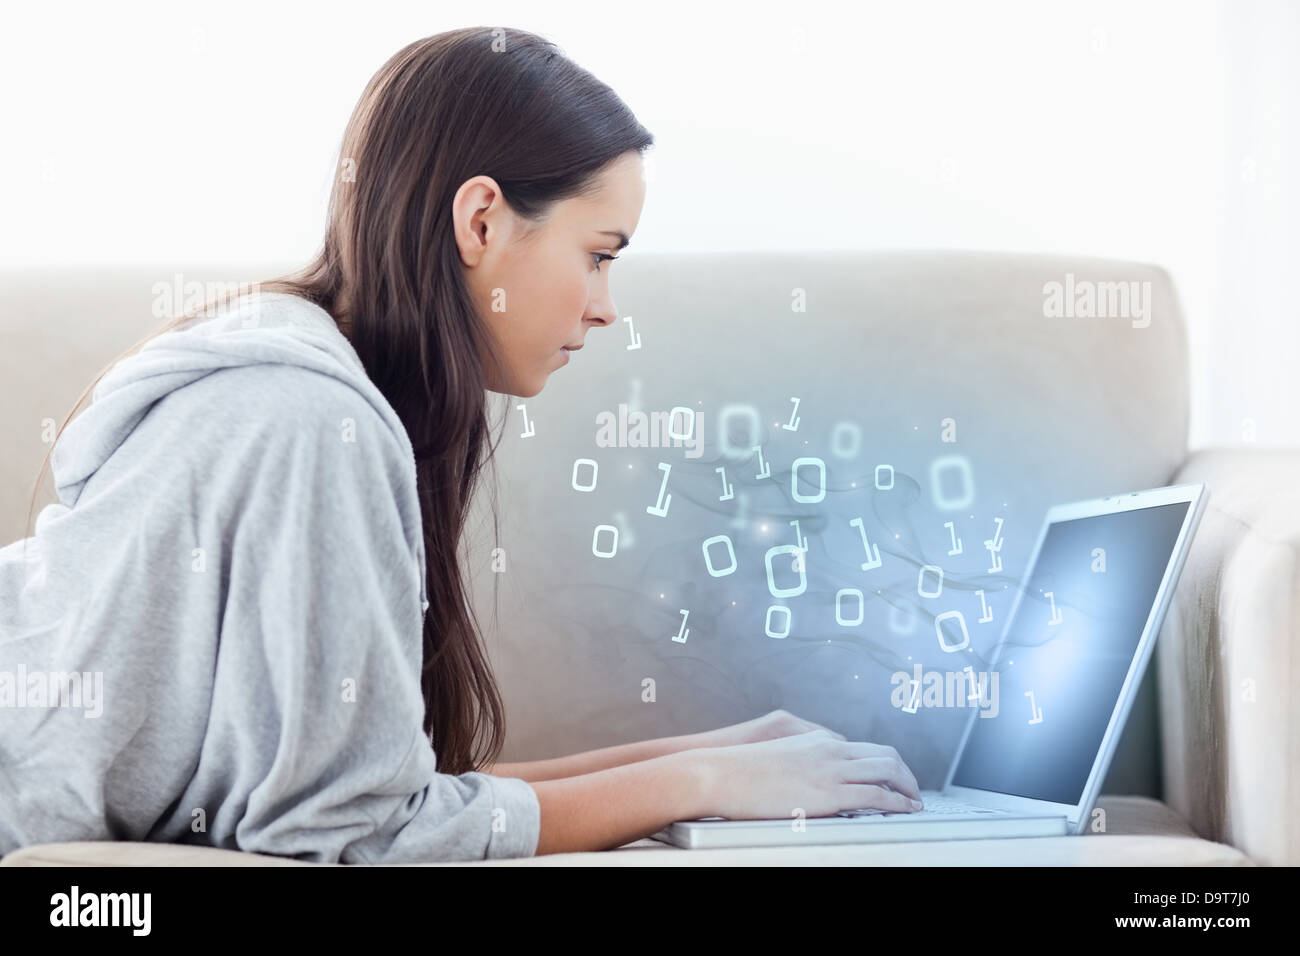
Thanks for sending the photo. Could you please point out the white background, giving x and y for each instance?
(1159, 131)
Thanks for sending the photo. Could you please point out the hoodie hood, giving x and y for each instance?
(260, 328)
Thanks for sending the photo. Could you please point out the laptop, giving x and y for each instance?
(1069, 660)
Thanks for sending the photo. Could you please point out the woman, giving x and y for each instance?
(260, 512)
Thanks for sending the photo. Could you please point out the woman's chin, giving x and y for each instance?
(529, 389)
(518, 389)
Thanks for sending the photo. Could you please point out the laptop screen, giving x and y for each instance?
(1059, 683)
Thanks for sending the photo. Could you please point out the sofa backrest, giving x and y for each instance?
(946, 368)
(920, 388)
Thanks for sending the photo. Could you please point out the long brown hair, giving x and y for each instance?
(495, 101)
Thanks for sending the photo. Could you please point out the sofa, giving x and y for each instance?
(871, 359)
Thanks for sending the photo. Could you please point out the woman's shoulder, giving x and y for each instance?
(267, 406)
(268, 443)
(278, 360)
(233, 317)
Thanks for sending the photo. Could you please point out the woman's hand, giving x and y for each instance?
(771, 726)
(816, 773)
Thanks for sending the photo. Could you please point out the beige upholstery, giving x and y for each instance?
(1230, 659)
(1140, 832)
(1047, 410)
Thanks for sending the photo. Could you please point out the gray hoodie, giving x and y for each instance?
(215, 637)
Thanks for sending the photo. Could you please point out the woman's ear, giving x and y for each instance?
(478, 214)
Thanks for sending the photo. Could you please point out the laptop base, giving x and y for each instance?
(886, 828)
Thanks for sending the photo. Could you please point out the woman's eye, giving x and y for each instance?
(601, 257)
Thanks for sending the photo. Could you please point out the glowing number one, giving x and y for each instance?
(683, 632)
(1035, 712)
(1056, 611)
(956, 541)
(793, 424)
(873, 551)
(911, 705)
(529, 429)
(995, 543)
(660, 507)
(798, 564)
(728, 491)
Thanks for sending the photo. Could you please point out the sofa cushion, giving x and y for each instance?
(1139, 832)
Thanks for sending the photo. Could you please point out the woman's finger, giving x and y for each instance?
(883, 770)
(856, 749)
(864, 796)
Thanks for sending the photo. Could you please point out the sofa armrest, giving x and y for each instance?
(1228, 658)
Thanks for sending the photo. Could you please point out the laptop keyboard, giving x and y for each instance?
(934, 803)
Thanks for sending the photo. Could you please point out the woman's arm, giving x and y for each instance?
(591, 761)
(814, 774)
(608, 808)
(774, 724)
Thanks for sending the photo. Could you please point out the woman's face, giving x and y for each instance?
(540, 293)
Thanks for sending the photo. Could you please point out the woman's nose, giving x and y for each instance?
(603, 313)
